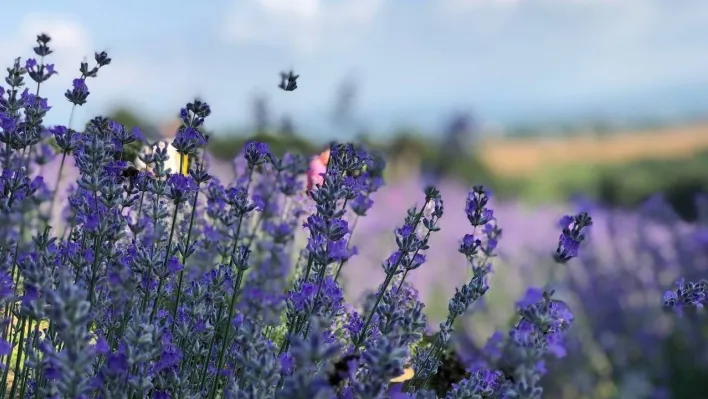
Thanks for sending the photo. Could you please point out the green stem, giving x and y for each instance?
(146, 297)
(94, 267)
(360, 339)
(8, 309)
(362, 334)
(232, 308)
(8, 361)
(341, 262)
(6, 162)
(398, 290)
(25, 372)
(164, 263)
(237, 288)
(211, 346)
(433, 349)
(18, 359)
(184, 261)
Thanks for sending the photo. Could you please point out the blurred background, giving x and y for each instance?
(541, 99)
(556, 105)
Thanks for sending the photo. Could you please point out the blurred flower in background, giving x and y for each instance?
(318, 166)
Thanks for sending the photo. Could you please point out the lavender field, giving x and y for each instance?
(623, 343)
(313, 276)
(622, 340)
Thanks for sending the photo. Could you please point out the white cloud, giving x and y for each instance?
(304, 24)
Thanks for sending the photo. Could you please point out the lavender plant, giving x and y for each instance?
(624, 343)
(161, 283)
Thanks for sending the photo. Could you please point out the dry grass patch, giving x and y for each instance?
(523, 157)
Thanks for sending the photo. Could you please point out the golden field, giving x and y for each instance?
(522, 157)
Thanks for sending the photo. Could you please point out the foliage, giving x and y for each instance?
(680, 180)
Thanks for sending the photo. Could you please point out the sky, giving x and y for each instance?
(413, 62)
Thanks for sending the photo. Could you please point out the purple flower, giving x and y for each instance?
(79, 92)
(5, 347)
(532, 296)
(361, 204)
(475, 207)
(687, 294)
(102, 346)
(180, 188)
(174, 265)
(256, 153)
(571, 237)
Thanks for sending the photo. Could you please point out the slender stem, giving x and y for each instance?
(25, 372)
(362, 334)
(6, 161)
(61, 165)
(31, 147)
(164, 263)
(71, 116)
(184, 260)
(211, 346)
(341, 262)
(267, 201)
(8, 361)
(310, 260)
(140, 211)
(94, 269)
(16, 371)
(232, 308)
(320, 277)
(389, 276)
(146, 297)
(398, 289)
(433, 349)
(8, 309)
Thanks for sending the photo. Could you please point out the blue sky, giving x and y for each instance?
(414, 61)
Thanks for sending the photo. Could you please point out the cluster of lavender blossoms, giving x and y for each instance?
(158, 284)
(687, 294)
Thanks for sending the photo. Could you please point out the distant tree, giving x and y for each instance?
(648, 124)
(454, 146)
(407, 141)
(522, 132)
(261, 114)
(602, 128)
(287, 126)
(344, 103)
(130, 119)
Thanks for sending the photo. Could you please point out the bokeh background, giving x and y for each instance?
(556, 105)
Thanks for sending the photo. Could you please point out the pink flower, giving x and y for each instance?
(318, 166)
